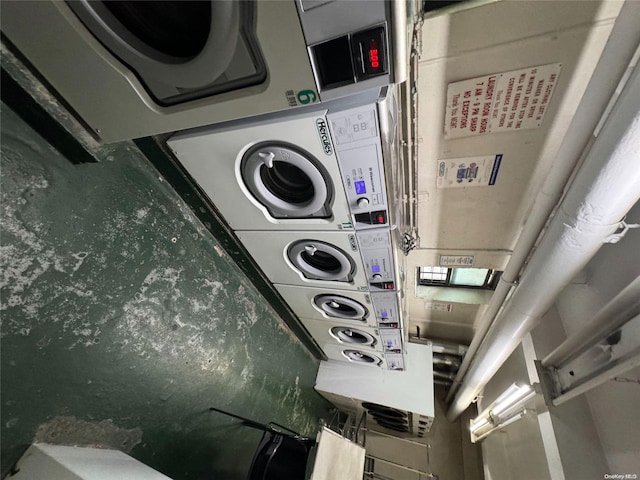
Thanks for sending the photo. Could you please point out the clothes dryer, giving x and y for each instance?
(274, 174)
(312, 259)
(136, 68)
(354, 356)
(358, 337)
(380, 391)
(352, 308)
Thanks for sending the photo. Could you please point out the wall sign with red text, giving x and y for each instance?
(502, 102)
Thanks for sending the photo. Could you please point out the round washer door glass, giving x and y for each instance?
(318, 260)
(338, 306)
(179, 50)
(353, 336)
(362, 357)
(287, 180)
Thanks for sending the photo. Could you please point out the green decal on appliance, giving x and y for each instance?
(302, 97)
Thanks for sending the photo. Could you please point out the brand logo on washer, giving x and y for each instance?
(354, 244)
(325, 140)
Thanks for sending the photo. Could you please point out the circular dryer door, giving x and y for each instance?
(179, 50)
(338, 306)
(353, 336)
(288, 181)
(321, 261)
(362, 357)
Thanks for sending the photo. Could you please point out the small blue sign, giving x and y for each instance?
(495, 169)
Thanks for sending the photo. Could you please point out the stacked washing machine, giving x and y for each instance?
(306, 195)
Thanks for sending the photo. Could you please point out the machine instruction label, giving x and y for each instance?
(468, 171)
(438, 306)
(457, 260)
(502, 102)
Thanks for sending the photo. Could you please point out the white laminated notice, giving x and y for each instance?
(469, 171)
(502, 102)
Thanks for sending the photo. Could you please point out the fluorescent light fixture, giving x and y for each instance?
(478, 423)
(506, 409)
(514, 395)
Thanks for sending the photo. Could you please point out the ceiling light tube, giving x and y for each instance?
(507, 408)
(478, 423)
(511, 397)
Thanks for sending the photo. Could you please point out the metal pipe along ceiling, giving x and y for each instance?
(603, 191)
(618, 55)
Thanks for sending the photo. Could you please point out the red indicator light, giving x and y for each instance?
(380, 219)
(373, 57)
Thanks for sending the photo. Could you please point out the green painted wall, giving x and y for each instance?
(123, 320)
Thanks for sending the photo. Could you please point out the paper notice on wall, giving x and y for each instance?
(468, 171)
(502, 102)
(438, 306)
(457, 260)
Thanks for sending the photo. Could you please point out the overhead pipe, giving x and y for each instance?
(612, 316)
(603, 191)
(611, 68)
(446, 360)
(443, 375)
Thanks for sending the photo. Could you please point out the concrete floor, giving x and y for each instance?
(123, 320)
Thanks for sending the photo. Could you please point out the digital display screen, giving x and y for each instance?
(374, 55)
(371, 56)
(360, 187)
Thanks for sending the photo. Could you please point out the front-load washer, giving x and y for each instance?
(136, 68)
(313, 259)
(359, 337)
(275, 174)
(354, 356)
(353, 308)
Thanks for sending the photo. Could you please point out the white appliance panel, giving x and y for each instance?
(270, 253)
(125, 85)
(410, 390)
(302, 301)
(356, 136)
(377, 256)
(112, 100)
(354, 356)
(387, 309)
(214, 158)
(358, 337)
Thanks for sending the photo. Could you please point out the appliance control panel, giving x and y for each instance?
(395, 361)
(377, 256)
(385, 306)
(391, 340)
(356, 136)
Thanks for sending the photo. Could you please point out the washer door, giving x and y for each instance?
(353, 336)
(287, 180)
(361, 357)
(321, 261)
(179, 50)
(337, 306)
